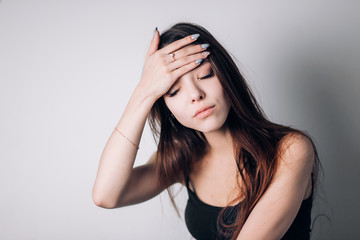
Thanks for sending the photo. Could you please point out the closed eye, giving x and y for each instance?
(209, 75)
(173, 93)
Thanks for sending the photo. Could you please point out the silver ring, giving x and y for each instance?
(173, 56)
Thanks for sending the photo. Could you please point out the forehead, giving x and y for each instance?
(204, 66)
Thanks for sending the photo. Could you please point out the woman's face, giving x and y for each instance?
(197, 100)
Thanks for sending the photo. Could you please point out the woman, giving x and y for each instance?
(247, 178)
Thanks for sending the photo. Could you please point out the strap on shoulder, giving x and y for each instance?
(312, 183)
(186, 178)
(187, 183)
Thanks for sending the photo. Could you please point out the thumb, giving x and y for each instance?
(154, 43)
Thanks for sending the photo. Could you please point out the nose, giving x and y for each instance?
(196, 93)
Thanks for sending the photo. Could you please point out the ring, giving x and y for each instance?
(173, 56)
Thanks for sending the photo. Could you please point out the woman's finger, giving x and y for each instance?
(154, 43)
(179, 44)
(187, 68)
(188, 59)
(189, 50)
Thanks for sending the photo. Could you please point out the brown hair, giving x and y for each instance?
(256, 139)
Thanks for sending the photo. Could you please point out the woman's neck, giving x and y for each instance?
(219, 142)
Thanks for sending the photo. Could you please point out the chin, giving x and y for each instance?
(209, 127)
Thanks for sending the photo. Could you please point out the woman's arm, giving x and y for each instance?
(117, 183)
(278, 207)
(117, 159)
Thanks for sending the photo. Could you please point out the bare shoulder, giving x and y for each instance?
(296, 159)
(277, 208)
(296, 162)
(296, 148)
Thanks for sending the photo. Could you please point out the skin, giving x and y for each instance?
(119, 184)
(193, 91)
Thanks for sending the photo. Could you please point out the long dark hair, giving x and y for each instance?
(256, 139)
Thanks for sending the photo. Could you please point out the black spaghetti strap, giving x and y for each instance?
(186, 177)
(187, 183)
(312, 184)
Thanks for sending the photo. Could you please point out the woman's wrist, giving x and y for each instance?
(142, 95)
(134, 116)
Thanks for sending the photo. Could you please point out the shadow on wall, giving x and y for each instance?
(325, 94)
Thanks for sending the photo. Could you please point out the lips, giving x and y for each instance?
(203, 110)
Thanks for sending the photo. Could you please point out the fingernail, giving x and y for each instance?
(154, 31)
(198, 61)
(205, 53)
(195, 36)
(205, 45)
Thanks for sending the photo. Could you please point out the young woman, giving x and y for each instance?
(247, 177)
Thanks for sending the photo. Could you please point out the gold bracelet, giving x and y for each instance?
(136, 146)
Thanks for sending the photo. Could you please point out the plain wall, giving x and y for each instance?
(68, 68)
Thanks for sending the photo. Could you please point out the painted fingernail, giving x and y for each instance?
(198, 61)
(195, 36)
(205, 53)
(154, 31)
(205, 45)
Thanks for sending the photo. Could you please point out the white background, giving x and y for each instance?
(67, 69)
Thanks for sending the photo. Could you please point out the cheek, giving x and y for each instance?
(175, 108)
(180, 112)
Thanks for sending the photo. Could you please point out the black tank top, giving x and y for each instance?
(202, 219)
